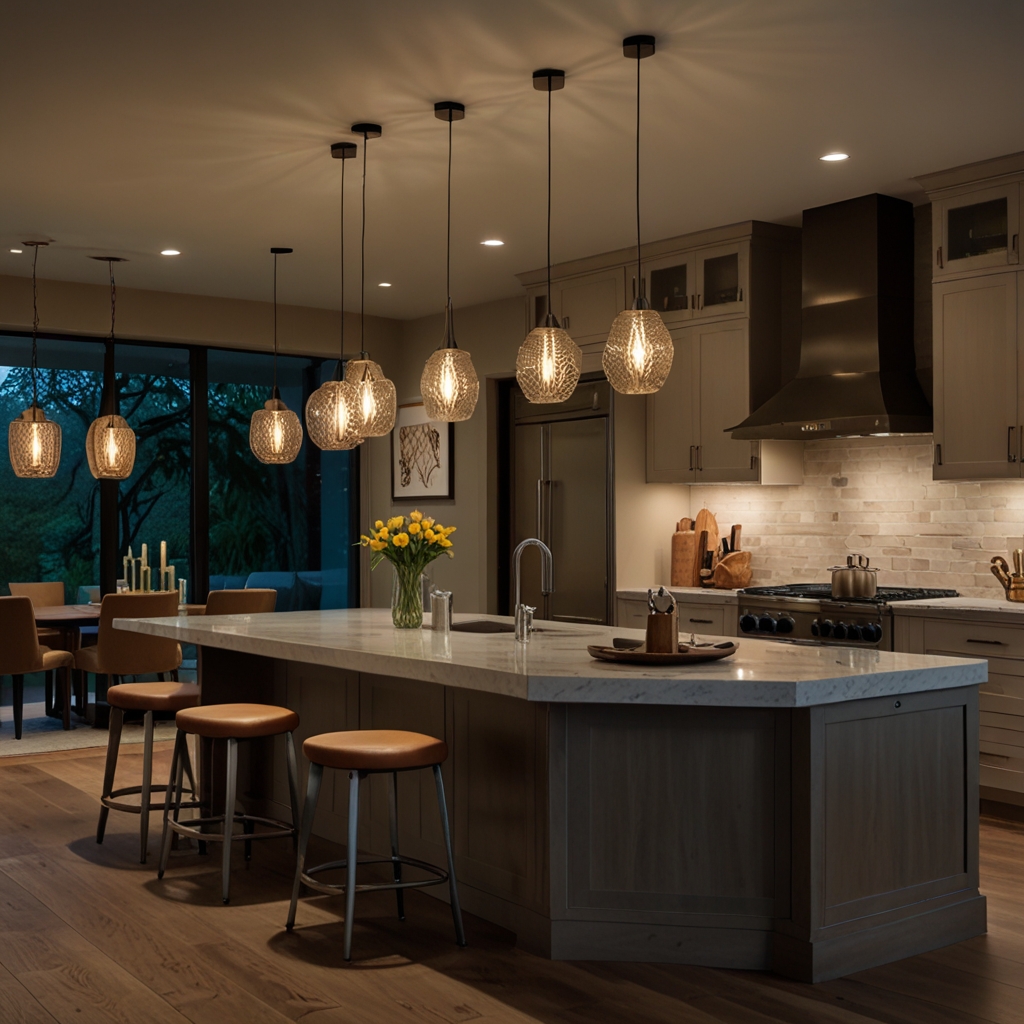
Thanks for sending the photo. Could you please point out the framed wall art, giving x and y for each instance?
(422, 456)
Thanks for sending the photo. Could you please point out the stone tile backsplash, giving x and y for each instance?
(876, 496)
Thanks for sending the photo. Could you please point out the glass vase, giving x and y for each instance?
(407, 598)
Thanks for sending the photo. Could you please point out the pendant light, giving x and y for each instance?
(275, 433)
(638, 355)
(376, 401)
(110, 442)
(449, 383)
(331, 411)
(549, 362)
(33, 441)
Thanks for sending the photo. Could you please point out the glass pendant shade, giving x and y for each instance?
(332, 418)
(450, 386)
(275, 433)
(638, 355)
(33, 443)
(110, 448)
(376, 400)
(548, 365)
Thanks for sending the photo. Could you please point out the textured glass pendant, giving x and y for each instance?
(332, 417)
(376, 402)
(638, 355)
(110, 448)
(275, 433)
(33, 443)
(548, 365)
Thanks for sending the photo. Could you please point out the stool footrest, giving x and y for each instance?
(111, 801)
(329, 888)
(194, 827)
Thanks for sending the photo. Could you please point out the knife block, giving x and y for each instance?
(662, 632)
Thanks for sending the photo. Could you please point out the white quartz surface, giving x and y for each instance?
(555, 665)
(963, 607)
(687, 595)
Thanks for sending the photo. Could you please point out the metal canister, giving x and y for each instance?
(441, 611)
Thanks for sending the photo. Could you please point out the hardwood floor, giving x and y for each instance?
(88, 934)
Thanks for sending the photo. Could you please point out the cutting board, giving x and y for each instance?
(705, 521)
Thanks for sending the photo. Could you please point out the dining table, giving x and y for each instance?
(68, 619)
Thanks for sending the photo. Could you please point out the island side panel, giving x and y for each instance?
(885, 833)
(667, 826)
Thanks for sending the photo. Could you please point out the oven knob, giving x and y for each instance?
(784, 625)
(748, 623)
(872, 632)
(766, 624)
(854, 632)
(826, 627)
(815, 628)
(839, 630)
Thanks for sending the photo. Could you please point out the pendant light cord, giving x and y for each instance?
(362, 261)
(640, 280)
(549, 193)
(35, 326)
(113, 312)
(341, 356)
(448, 243)
(275, 326)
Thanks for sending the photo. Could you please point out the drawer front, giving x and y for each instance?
(978, 640)
(998, 773)
(699, 618)
(992, 698)
(1009, 723)
(631, 614)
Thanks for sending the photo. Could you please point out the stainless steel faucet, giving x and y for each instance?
(524, 613)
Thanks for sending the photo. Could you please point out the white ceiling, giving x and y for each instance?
(129, 127)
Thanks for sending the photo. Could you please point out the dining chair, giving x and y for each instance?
(241, 602)
(48, 595)
(21, 653)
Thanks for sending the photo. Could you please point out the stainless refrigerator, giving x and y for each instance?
(561, 465)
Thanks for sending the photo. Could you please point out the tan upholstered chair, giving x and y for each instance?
(240, 602)
(20, 652)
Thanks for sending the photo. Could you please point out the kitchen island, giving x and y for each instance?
(810, 810)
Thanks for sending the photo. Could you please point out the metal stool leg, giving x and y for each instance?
(396, 864)
(147, 783)
(293, 785)
(453, 889)
(229, 817)
(113, 746)
(316, 774)
(351, 856)
(173, 786)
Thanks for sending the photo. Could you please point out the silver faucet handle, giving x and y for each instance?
(524, 622)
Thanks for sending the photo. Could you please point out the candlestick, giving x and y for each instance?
(182, 590)
(135, 574)
(170, 577)
(127, 577)
(146, 577)
(145, 556)
(163, 555)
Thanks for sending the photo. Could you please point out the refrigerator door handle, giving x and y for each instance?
(540, 515)
(550, 484)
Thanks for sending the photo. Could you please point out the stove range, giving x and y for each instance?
(806, 612)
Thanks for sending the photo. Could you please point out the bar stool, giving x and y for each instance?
(147, 698)
(21, 653)
(231, 722)
(362, 753)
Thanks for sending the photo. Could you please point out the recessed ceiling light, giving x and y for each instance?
(492, 241)
(17, 250)
(834, 157)
(169, 252)
(384, 284)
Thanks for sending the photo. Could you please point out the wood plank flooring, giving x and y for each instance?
(89, 935)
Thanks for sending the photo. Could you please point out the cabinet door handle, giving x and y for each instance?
(703, 622)
(700, 458)
(565, 322)
(740, 298)
(1016, 239)
(938, 454)
(991, 643)
(540, 513)
(938, 256)
(1020, 443)
(691, 456)
(1011, 448)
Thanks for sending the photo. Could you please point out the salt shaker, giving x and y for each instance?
(441, 611)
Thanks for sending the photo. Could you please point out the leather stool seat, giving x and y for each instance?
(375, 750)
(153, 696)
(237, 721)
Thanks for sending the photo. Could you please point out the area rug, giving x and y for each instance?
(41, 734)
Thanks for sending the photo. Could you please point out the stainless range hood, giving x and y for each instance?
(857, 368)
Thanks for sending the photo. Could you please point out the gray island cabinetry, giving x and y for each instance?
(810, 810)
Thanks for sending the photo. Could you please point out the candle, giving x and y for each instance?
(146, 577)
(182, 590)
(127, 577)
(145, 556)
(170, 577)
(163, 555)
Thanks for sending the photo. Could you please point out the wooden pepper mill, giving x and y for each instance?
(662, 623)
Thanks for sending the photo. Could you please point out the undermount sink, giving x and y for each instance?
(483, 626)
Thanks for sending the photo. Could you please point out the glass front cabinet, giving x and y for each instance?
(977, 230)
(702, 284)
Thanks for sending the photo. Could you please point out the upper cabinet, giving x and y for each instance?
(702, 284)
(977, 230)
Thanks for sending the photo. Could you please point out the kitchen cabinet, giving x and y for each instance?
(671, 284)
(702, 284)
(585, 305)
(976, 229)
(704, 617)
(977, 384)
(1001, 701)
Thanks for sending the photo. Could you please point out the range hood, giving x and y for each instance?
(857, 367)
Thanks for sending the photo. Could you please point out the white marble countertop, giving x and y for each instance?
(963, 607)
(555, 665)
(688, 595)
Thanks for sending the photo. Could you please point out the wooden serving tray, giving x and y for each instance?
(686, 655)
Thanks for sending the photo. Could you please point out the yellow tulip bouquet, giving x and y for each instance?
(410, 545)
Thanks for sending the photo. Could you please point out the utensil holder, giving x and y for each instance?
(662, 632)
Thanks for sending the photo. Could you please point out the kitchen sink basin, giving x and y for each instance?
(482, 626)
